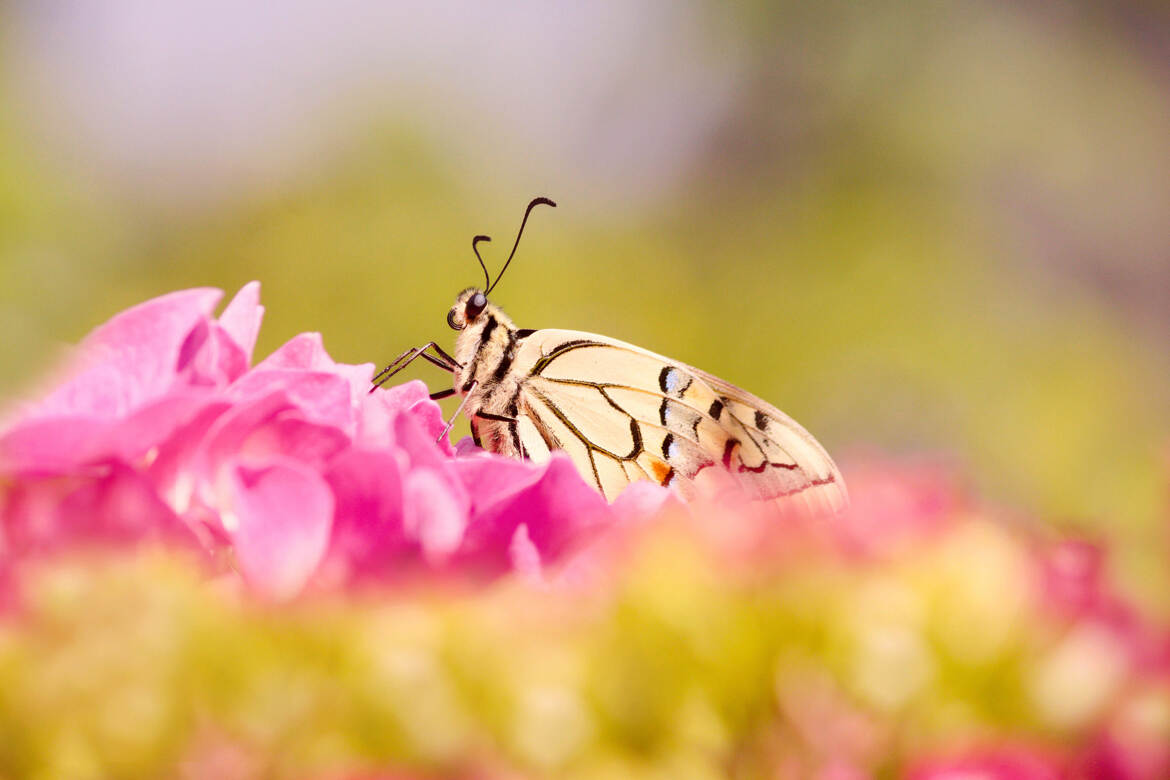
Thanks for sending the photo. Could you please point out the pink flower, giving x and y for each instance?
(1072, 574)
(1003, 762)
(163, 430)
(1135, 743)
(894, 506)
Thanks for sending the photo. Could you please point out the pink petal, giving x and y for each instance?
(321, 396)
(227, 434)
(57, 444)
(559, 509)
(434, 512)
(368, 538)
(491, 479)
(306, 352)
(50, 445)
(210, 357)
(283, 516)
(174, 466)
(110, 503)
(643, 499)
(1073, 576)
(153, 424)
(251, 432)
(294, 438)
(378, 410)
(524, 556)
(1006, 762)
(241, 318)
(132, 358)
(418, 444)
(895, 506)
(467, 446)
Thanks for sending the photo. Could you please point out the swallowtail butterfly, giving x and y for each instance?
(621, 412)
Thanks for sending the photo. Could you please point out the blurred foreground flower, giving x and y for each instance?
(919, 636)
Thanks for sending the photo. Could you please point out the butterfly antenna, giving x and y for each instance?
(487, 279)
(535, 202)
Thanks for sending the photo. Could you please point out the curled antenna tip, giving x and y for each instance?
(531, 205)
(487, 279)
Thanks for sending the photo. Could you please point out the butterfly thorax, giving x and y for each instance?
(486, 349)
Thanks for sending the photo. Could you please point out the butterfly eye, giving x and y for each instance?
(474, 306)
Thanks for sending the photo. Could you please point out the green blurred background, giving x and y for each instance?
(926, 228)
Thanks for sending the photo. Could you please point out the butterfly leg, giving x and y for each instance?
(451, 423)
(444, 361)
(438, 395)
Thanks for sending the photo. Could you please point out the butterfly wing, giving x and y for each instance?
(623, 413)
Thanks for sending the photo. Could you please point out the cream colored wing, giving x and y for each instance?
(623, 413)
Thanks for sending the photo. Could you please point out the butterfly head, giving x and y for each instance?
(484, 330)
(468, 309)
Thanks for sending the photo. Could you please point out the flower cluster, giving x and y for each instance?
(290, 469)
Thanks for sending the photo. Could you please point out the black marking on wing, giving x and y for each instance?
(766, 464)
(812, 483)
(612, 402)
(593, 465)
(743, 467)
(717, 411)
(663, 409)
(666, 442)
(550, 439)
(664, 381)
(635, 431)
(561, 349)
(524, 333)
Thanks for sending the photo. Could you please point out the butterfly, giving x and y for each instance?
(622, 413)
